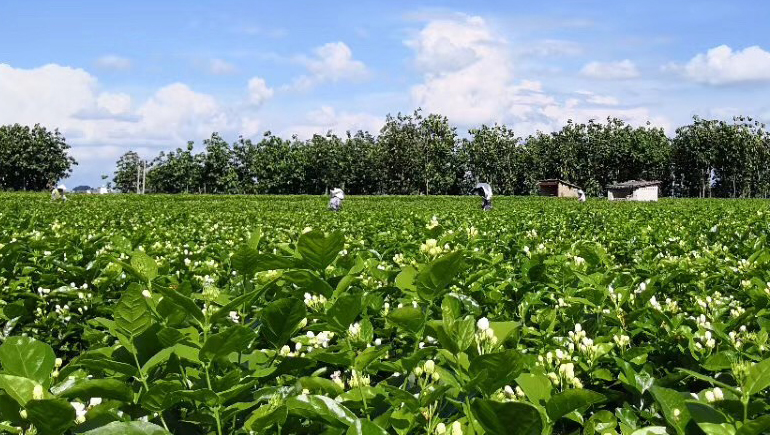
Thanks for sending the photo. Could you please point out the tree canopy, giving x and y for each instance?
(423, 154)
(32, 158)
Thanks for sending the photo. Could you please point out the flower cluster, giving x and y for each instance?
(315, 303)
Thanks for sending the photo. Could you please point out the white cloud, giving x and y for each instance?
(599, 100)
(551, 48)
(101, 124)
(259, 92)
(623, 69)
(71, 100)
(721, 65)
(113, 62)
(469, 76)
(114, 103)
(177, 113)
(221, 67)
(327, 118)
(330, 62)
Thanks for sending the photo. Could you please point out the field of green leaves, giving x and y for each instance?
(399, 315)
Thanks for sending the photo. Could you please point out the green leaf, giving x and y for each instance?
(405, 279)
(537, 388)
(450, 311)
(51, 416)
(755, 427)
(674, 407)
(203, 395)
(254, 238)
(280, 319)
(309, 282)
(94, 360)
(507, 418)
(161, 396)
(407, 318)
(369, 355)
(145, 265)
(651, 430)
(365, 427)
(571, 400)
(131, 313)
(344, 311)
(434, 277)
(104, 388)
(499, 369)
(182, 302)
(27, 357)
(602, 422)
(321, 407)
(503, 330)
(758, 377)
(319, 250)
(19, 388)
(245, 261)
(233, 339)
(128, 428)
(266, 416)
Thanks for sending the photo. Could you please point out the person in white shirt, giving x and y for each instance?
(484, 190)
(58, 193)
(335, 203)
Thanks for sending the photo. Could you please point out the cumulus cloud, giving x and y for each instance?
(330, 62)
(326, 118)
(259, 92)
(623, 69)
(469, 76)
(101, 124)
(721, 66)
(220, 67)
(113, 62)
(72, 100)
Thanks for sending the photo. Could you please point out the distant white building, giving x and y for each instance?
(633, 190)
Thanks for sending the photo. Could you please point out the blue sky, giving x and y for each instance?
(148, 76)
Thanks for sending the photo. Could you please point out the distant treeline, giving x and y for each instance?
(417, 154)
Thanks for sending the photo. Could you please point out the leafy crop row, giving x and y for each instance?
(398, 315)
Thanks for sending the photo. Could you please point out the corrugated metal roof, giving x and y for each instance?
(631, 184)
(556, 180)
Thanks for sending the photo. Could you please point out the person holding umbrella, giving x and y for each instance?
(484, 190)
(335, 203)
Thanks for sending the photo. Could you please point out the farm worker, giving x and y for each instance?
(581, 195)
(484, 190)
(58, 193)
(335, 204)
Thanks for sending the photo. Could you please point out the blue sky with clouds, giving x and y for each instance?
(148, 75)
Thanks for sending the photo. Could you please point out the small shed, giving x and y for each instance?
(633, 190)
(558, 188)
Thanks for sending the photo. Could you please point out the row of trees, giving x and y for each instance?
(421, 154)
(32, 158)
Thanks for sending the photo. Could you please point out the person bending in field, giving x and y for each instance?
(484, 190)
(581, 195)
(335, 203)
(58, 193)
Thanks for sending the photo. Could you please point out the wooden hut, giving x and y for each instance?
(633, 190)
(558, 188)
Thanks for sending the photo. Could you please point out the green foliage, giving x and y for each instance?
(174, 315)
(32, 158)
